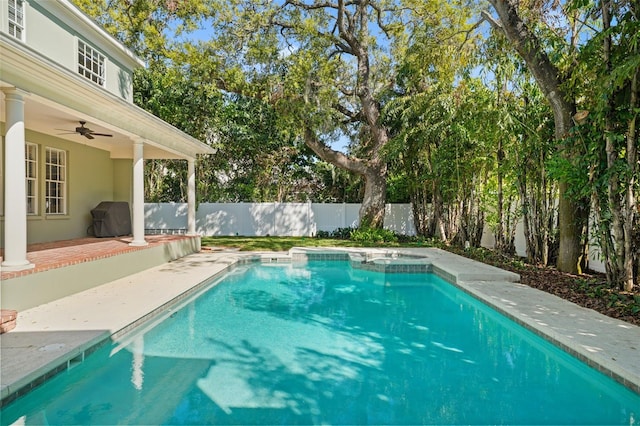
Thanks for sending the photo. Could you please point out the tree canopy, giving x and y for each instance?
(479, 113)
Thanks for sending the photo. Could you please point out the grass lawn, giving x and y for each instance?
(285, 243)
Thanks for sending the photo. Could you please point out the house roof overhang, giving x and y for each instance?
(57, 99)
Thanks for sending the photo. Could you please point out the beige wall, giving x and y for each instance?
(123, 180)
(56, 37)
(45, 33)
(92, 177)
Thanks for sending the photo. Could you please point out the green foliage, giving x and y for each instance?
(373, 235)
(334, 185)
(628, 304)
(146, 26)
(607, 70)
(399, 188)
(338, 233)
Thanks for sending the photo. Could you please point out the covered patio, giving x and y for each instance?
(70, 168)
(71, 141)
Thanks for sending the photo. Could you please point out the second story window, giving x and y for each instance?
(91, 63)
(16, 19)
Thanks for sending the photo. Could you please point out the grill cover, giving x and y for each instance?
(111, 219)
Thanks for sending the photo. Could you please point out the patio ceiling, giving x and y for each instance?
(57, 99)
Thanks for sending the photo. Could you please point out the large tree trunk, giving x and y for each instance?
(375, 193)
(572, 216)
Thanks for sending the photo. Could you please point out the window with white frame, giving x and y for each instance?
(55, 181)
(16, 18)
(31, 159)
(91, 63)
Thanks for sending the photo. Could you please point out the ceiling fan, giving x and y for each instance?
(88, 133)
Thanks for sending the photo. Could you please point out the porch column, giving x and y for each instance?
(15, 188)
(138, 194)
(191, 197)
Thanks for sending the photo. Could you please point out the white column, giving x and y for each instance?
(15, 188)
(191, 197)
(138, 194)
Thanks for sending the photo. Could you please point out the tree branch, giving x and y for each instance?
(353, 116)
(379, 13)
(491, 20)
(354, 165)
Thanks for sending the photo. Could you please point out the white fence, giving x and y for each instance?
(260, 219)
(294, 219)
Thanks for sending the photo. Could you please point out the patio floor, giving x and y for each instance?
(58, 254)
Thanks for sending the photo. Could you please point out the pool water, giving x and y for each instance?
(322, 343)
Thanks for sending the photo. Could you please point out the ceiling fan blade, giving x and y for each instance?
(87, 132)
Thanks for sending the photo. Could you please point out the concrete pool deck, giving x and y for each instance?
(51, 337)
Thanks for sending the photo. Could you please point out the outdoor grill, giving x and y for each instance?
(111, 219)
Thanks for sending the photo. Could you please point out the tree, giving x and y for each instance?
(538, 192)
(316, 61)
(257, 158)
(146, 26)
(173, 97)
(610, 66)
(438, 145)
(333, 83)
(430, 124)
(572, 214)
(520, 122)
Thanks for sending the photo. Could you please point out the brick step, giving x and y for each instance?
(8, 322)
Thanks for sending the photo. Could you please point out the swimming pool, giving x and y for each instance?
(325, 343)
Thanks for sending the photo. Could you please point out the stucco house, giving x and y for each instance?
(71, 135)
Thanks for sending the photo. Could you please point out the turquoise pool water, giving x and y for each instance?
(323, 343)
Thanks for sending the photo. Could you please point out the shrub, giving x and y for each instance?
(373, 235)
(338, 234)
(342, 233)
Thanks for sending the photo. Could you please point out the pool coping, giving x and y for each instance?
(607, 344)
